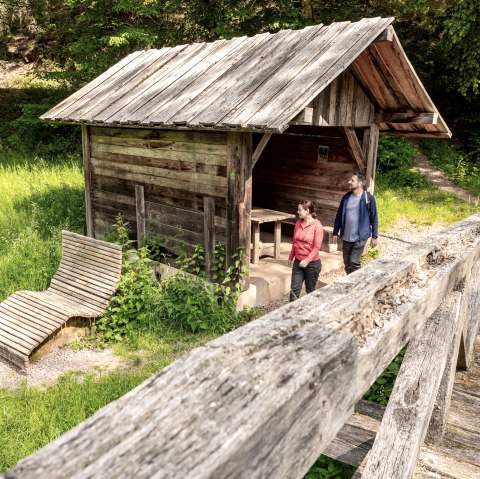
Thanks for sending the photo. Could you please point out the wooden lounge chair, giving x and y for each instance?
(82, 287)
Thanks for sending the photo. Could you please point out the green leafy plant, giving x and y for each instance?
(381, 389)
(328, 468)
(136, 290)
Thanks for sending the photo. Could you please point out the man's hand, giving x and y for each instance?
(334, 239)
(373, 242)
(303, 263)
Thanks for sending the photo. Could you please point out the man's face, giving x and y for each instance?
(353, 182)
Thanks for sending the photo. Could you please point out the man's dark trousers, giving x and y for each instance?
(352, 252)
(309, 274)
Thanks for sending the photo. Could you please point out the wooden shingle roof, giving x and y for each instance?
(248, 83)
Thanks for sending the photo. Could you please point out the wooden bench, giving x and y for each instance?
(82, 287)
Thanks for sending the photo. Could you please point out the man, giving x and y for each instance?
(356, 221)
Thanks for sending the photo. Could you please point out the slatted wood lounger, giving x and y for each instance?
(81, 288)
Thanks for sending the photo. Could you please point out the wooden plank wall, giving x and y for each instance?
(288, 171)
(177, 170)
(343, 103)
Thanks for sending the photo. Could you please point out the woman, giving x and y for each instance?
(307, 239)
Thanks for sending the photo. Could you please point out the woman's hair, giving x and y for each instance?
(310, 206)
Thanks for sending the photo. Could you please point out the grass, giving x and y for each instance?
(39, 198)
(417, 208)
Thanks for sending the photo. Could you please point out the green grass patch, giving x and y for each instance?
(406, 207)
(39, 198)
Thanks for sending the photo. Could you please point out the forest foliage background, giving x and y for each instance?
(72, 41)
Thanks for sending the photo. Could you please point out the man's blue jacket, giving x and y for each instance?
(368, 225)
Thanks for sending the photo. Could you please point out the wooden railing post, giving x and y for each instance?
(140, 213)
(472, 316)
(404, 424)
(209, 234)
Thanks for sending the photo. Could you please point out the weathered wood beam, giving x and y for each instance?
(140, 214)
(416, 134)
(472, 317)
(386, 35)
(239, 198)
(209, 234)
(404, 424)
(411, 118)
(370, 146)
(438, 420)
(260, 147)
(354, 148)
(87, 174)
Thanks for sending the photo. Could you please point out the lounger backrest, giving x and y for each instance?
(89, 269)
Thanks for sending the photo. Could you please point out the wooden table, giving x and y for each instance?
(262, 215)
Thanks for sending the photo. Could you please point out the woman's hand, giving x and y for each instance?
(303, 263)
(289, 262)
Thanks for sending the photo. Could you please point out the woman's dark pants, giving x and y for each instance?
(352, 253)
(309, 274)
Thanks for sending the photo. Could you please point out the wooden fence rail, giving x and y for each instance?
(266, 399)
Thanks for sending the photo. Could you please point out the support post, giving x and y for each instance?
(87, 172)
(409, 409)
(140, 214)
(371, 155)
(471, 309)
(239, 197)
(209, 234)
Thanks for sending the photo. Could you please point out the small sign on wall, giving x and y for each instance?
(322, 153)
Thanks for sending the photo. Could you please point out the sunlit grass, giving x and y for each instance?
(400, 208)
(39, 198)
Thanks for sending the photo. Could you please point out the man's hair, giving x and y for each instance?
(361, 178)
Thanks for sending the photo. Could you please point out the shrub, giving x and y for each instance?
(190, 304)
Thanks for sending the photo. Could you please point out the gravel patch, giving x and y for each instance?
(45, 371)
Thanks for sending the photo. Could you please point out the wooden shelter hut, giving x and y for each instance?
(209, 131)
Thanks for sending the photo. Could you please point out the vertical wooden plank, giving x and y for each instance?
(256, 242)
(277, 239)
(438, 421)
(372, 156)
(333, 102)
(471, 310)
(245, 206)
(87, 171)
(234, 176)
(140, 214)
(239, 196)
(209, 233)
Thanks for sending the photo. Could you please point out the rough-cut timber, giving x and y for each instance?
(82, 287)
(267, 398)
